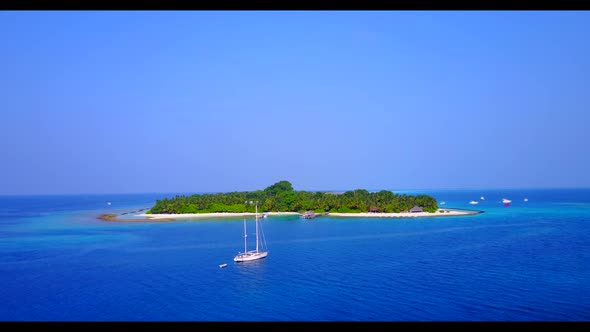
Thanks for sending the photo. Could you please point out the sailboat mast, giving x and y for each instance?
(245, 238)
(256, 226)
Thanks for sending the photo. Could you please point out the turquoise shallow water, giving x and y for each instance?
(526, 262)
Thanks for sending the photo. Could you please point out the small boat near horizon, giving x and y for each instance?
(473, 202)
(261, 251)
(506, 200)
(526, 199)
(482, 198)
(221, 266)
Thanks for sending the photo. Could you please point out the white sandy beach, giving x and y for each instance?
(334, 214)
(210, 215)
(406, 214)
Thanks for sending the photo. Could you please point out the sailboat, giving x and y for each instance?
(260, 252)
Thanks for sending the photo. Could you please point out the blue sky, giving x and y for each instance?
(164, 101)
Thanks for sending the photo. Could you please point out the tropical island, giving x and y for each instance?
(281, 199)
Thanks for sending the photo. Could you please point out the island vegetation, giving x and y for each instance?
(280, 197)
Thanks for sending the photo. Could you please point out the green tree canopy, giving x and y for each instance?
(281, 197)
(279, 187)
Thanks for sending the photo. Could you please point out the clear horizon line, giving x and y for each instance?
(331, 190)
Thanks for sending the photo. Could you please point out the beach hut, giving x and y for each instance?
(416, 209)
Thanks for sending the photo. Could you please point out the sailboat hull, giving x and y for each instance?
(250, 256)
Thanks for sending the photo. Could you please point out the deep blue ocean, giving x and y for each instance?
(529, 261)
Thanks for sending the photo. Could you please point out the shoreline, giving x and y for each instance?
(438, 213)
(173, 217)
(211, 215)
(115, 217)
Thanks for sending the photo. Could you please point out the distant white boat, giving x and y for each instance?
(222, 265)
(526, 199)
(482, 198)
(442, 203)
(506, 201)
(109, 203)
(473, 202)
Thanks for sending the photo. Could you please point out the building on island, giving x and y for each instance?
(416, 209)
